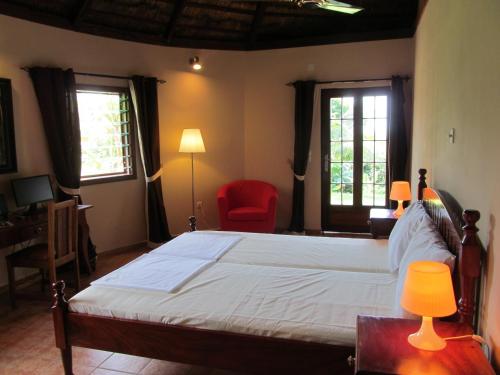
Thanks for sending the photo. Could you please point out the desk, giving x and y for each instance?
(35, 226)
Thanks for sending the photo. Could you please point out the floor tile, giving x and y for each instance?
(89, 357)
(157, 367)
(102, 371)
(125, 363)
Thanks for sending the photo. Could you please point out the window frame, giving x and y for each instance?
(114, 177)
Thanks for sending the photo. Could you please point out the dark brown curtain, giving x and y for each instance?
(304, 105)
(56, 93)
(145, 100)
(399, 134)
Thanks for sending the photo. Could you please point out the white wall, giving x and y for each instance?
(457, 85)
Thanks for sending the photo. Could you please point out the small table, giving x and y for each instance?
(382, 220)
(382, 348)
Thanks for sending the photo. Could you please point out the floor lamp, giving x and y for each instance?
(192, 142)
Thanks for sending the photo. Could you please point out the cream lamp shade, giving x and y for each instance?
(428, 292)
(191, 141)
(400, 191)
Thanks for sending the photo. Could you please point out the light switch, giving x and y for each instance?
(451, 135)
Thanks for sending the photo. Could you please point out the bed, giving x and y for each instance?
(263, 315)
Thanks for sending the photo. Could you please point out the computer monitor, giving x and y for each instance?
(29, 191)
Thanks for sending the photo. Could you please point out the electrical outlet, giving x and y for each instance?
(199, 205)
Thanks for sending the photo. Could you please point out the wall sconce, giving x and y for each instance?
(195, 63)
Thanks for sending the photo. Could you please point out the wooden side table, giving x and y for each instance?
(382, 220)
(382, 348)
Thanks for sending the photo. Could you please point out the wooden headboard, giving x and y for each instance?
(459, 230)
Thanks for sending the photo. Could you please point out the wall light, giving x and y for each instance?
(195, 63)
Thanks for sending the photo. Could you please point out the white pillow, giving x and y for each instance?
(426, 244)
(402, 233)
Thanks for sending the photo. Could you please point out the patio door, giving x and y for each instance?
(354, 144)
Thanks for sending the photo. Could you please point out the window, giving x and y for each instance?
(106, 134)
(354, 147)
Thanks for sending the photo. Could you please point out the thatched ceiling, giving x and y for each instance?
(221, 24)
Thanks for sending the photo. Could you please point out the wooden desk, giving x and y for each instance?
(382, 348)
(35, 226)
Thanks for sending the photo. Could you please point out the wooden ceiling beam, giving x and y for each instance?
(213, 28)
(248, 12)
(174, 18)
(79, 11)
(257, 22)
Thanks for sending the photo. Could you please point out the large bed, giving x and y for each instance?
(272, 304)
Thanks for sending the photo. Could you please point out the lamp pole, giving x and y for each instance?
(192, 183)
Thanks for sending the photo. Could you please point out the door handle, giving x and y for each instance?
(326, 162)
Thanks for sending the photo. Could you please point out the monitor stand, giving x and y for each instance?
(33, 210)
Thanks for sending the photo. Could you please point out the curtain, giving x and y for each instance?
(304, 104)
(56, 93)
(145, 101)
(399, 134)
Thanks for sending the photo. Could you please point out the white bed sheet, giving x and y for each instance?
(303, 304)
(331, 253)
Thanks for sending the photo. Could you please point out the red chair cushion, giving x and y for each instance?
(248, 214)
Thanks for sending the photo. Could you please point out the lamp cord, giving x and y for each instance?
(476, 338)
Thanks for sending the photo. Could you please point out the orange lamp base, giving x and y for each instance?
(426, 338)
(399, 211)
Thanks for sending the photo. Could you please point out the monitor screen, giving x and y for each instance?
(31, 190)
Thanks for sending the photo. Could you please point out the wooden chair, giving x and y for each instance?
(61, 247)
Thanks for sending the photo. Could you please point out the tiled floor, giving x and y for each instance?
(27, 340)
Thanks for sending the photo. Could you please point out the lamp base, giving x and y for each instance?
(400, 210)
(426, 338)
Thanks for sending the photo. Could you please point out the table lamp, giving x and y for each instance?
(400, 191)
(192, 142)
(428, 292)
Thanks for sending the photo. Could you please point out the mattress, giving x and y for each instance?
(308, 304)
(331, 253)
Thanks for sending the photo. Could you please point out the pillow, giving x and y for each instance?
(426, 244)
(402, 233)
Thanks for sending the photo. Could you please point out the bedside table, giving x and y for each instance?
(382, 220)
(382, 348)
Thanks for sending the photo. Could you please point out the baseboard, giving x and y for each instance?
(123, 249)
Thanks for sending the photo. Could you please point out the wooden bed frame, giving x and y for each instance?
(260, 354)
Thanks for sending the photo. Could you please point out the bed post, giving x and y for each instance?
(192, 223)
(59, 314)
(469, 263)
(421, 183)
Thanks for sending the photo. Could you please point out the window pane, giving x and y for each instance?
(347, 151)
(335, 194)
(347, 130)
(347, 195)
(336, 172)
(379, 195)
(336, 151)
(335, 130)
(335, 108)
(368, 151)
(368, 130)
(347, 173)
(381, 107)
(381, 129)
(367, 195)
(368, 173)
(380, 171)
(347, 107)
(368, 106)
(380, 151)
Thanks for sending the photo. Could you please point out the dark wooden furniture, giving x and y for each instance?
(8, 159)
(382, 348)
(61, 247)
(34, 226)
(252, 353)
(381, 221)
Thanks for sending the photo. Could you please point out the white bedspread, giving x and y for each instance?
(333, 253)
(154, 272)
(305, 304)
(200, 245)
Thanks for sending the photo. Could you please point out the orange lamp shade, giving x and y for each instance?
(428, 290)
(191, 141)
(400, 191)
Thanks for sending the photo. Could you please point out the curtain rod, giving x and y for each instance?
(406, 78)
(161, 81)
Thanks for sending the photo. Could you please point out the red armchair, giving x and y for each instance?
(247, 206)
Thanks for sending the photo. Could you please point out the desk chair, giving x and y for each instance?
(61, 247)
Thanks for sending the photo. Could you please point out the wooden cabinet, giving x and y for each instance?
(381, 222)
(382, 348)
